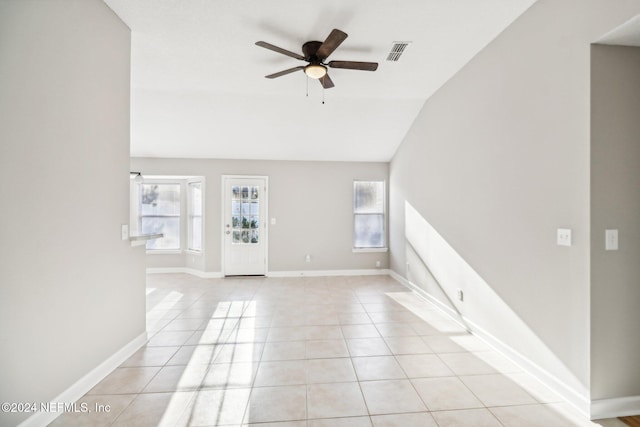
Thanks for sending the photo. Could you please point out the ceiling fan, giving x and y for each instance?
(315, 53)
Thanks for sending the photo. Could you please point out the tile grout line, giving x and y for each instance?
(354, 367)
(251, 388)
(230, 340)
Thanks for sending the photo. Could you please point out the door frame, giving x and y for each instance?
(223, 212)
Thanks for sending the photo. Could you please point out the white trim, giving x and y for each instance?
(327, 273)
(193, 252)
(195, 180)
(185, 270)
(439, 305)
(616, 407)
(572, 396)
(164, 251)
(580, 402)
(87, 382)
(151, 178)
(360, 250)
(307, 273)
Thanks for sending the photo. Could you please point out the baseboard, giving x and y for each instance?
(424, 294)
(185, 270)
(618, 407)
(86, 383)
(327, 273)
(300, 273)
(563, 390)
(573, 397)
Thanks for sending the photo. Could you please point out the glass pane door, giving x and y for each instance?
(245, 215)
(245, 233)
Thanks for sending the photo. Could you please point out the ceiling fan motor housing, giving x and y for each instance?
(309, 50)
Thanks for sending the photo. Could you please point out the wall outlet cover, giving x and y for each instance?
(564, 237)
(611, 240)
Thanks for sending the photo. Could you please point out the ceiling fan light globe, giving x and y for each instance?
(315, 71)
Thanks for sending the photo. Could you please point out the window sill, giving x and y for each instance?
(164, 252)
(361, 250)
(192, 252)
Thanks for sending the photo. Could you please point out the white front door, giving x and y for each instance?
(244, 227)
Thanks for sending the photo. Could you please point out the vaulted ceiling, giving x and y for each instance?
(198, 86)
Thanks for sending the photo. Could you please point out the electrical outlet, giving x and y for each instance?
(564, 237)
(378, 264)
(307, 258)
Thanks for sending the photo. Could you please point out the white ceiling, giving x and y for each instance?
(198, 86)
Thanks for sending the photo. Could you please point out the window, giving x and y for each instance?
(159, 212)
(245, 215)
(194, 233)
(368, 215)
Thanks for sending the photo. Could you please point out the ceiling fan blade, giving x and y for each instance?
(331, 43)
(326, 81)
(285, 72)
(279, 50)
(354, 65)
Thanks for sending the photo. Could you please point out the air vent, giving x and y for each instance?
(397, 50)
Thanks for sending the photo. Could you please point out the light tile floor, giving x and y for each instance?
(313, 352)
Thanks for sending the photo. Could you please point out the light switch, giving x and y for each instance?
(273, 221)
(564, 237)
(124, 232)
(611, 240)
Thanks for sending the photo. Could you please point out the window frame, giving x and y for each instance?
(383, 247)
(190, 215)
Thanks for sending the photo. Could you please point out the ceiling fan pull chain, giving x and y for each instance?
(307, 79)
(323, 91)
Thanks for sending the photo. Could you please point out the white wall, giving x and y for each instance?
(496, 161)
(319, 194)
(615, 204)
(72, 293)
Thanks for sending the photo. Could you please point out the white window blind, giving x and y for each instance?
(368, 214)
(159, 212)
